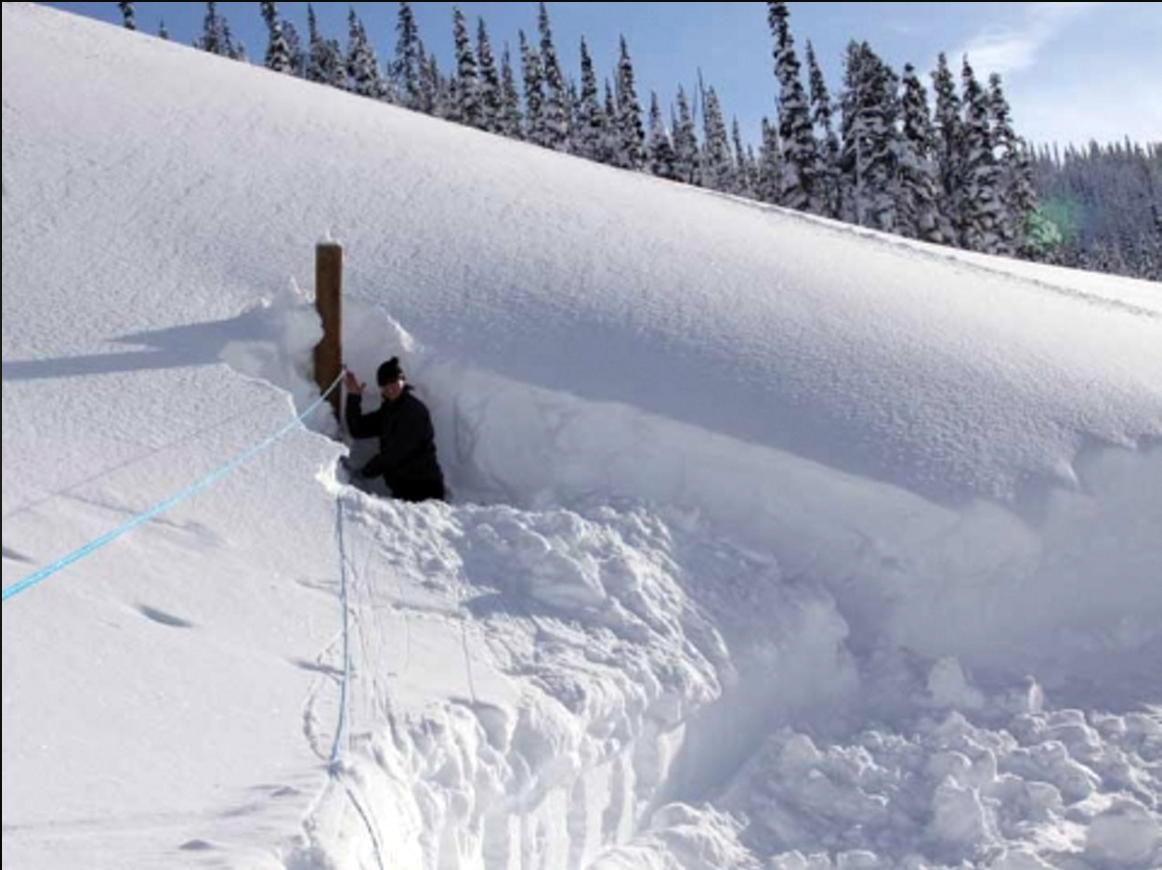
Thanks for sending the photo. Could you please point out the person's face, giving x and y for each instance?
(392, 389)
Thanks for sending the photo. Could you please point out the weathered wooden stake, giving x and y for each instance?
(329, 303)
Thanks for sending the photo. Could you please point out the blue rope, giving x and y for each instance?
(367, 822)
(341, 729)
(214, 477)
(334, 767)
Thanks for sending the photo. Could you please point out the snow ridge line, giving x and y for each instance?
(162, 507)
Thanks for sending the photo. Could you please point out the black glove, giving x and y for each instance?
(353, 470)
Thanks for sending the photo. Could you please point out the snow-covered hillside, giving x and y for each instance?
(774, 543)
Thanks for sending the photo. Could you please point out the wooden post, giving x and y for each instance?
(329, 303)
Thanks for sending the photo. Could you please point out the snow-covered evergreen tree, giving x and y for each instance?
(769, 184)
(589, 127)
(325, 57)
(466, 103)
(362, 66)
(490, 96)
(128, 14)
(405, 69)
(1016, 196)
(745, 172)
(216, 37)
(435, 96)
(1148, 257)
(981, 212)
(948, 148)
(534, 85)
(687, 160)
(214, 34)
(918, 205)
(558, 111)
(800, 153)
(660, 148)
(828, 149)
(631, 136)
(294, 47)
(870, 147)
(511, 118)
(610, 139)
(278, 52)
(717, 171)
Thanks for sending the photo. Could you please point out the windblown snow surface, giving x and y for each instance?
(774, 543)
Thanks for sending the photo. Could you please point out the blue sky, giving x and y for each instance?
(1073, 71)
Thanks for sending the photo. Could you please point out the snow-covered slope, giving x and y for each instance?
(775, 542)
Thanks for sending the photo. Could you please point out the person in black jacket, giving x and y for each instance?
(407, 447)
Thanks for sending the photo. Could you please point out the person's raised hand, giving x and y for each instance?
(352, 383)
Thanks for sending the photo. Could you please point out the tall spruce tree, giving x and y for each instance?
(1016, 196)
(278, 52)
(717, 171)
(660, 148)
(800, 158)
(534, 86)
(589, 129)
(949, 148)
(687, 160)
(769, 186)
(405, 69)
(610, 139)
(870, 111)
(362, 66)
(128, 14)
(211, 39)
(435, 98)
(918, 206)
(557, 103)
(490, 93)
(511, 118)
(828, 151)
(325, 56)
(744, 168)
(631, 136)
(216, 37)
(981, 207)
(467, 108)
(294, 46)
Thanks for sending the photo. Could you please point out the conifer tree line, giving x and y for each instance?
(1105, 204)
(880, 153)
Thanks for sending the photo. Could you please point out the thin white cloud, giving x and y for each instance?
(1006, 50)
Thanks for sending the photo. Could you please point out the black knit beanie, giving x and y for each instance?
(388, 372)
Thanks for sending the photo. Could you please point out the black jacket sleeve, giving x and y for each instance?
(360, 425)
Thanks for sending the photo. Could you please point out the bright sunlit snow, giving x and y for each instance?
(774, 543)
